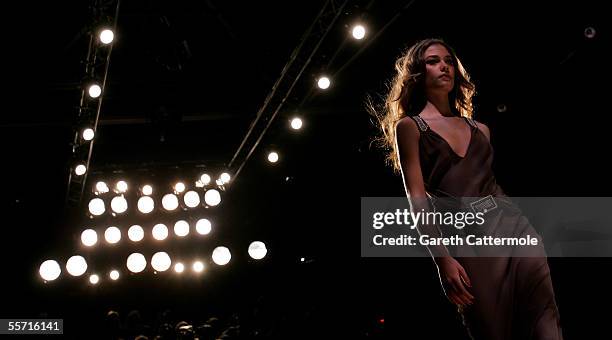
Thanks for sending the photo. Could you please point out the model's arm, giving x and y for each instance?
(452, 274)
(408, 149)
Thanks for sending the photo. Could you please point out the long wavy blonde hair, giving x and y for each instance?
(406, 95)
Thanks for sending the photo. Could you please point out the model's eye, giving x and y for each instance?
(432, 61)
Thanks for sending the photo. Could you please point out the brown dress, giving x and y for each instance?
(514, 296)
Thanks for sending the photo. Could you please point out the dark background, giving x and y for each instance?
(186, 79)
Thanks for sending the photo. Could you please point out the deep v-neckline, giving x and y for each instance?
(448, 144)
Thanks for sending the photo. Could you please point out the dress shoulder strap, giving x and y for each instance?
(471, 122)
(420, 123)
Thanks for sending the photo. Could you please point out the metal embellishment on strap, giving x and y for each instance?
(471, 122)
(422, 125)
(484, 204)
(432, 199)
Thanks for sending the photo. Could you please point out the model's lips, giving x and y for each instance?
(445, 76)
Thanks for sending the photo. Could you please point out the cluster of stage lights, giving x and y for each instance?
(358, 32)
(169, 201)
(136, 263)
(159, 232)
(106, 36)
(94, 90)
(160, 262)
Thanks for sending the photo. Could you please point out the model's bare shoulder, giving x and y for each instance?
(484, 129)
(406, 128)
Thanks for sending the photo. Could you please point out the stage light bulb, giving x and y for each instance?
(102, 188)
(161, 261)
(273, 157)
(145, 204)
(147, 190)
(257, 250)
(49, 270)
(205, 179)
(212, 197)
(359, 32)
(136, 263)
(94, 91)
(88, 134)
(135, 233)
(170, 202)
(192, 199)
(122, 186)
(160, 232)
(96, 207)
(221, 256)
(76, 265)
(107, 36)
(225, 177)
(80, 170)
(323, 83)
(296, 123)
(112, 235)
(119, 204)
(203, 226)
(89, 237)
(179, 187)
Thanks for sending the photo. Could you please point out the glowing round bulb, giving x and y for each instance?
(94, 91)
(198, 266)
(88, 134)
(101, 187)
(181, 228)
(96, 207)
(135, 233)
(136, 262)
(119, 204)
(112, 235)
(323, 83)
(179, 267)
(114, 275)
(192, 199)
(76, 265)
(145, 204)
(80, 170)
(203, 226)
(160, 232)
(225, 177)
(273, 157)
(257, 250)
(161, 261)
(49, 270)
(359, 32)
(107, 36)
(94, 279)
(221, 256)
(147, 190)
(122, 186)
(296, 123)
(179, 187)
(212, 197)
(89, 237)
(205, 179)
(170, 202)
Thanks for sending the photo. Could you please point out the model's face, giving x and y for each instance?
(440, 69)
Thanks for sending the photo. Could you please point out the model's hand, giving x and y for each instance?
(454, 280)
